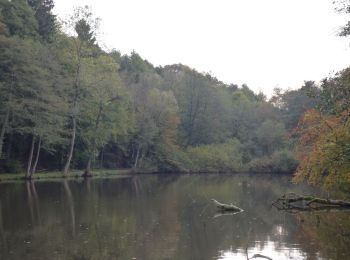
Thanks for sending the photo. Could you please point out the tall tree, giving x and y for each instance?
(28, 91)
(47, 24)
(324, 136)
(103, 111)
(78, 47)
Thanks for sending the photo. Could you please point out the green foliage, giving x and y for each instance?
(13, 166)
(224, 157)
(19, 18)
(47, 24)
(270, 136)
(279, 162)
(324, 136)
(294, 103)
(87, 105)
(343, 6)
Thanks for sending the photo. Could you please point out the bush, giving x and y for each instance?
(224, 157)
(280, 161)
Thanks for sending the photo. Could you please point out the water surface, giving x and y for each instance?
(164, 217)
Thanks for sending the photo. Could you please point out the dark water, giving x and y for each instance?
(164, 217)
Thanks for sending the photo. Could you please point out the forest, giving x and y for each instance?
(67, 103)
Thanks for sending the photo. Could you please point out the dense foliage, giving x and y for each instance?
(67, 103)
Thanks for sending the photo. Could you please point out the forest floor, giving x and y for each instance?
(4, 177)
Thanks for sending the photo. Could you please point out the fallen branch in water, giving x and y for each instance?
(226, 207)
(288, 201)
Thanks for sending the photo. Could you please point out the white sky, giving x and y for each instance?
(263, 43)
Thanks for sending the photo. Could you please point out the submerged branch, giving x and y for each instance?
(288, 202)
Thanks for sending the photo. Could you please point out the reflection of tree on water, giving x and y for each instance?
(327, 231)
(70, 201)
(33, 202)
(152, 217)
(2, 232)
(92, 199)
(137, 185)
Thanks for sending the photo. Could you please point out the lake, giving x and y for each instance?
(165, 217)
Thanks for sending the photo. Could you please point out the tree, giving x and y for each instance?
(204, 105)
(324, 149)
(155, 134)
(75, 49)
(324, 135)
(47, 24)
(343, 6)
(29, 96)
(19, 18)
(294, 103)
(103, 111)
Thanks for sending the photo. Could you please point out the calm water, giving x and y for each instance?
(164, 217)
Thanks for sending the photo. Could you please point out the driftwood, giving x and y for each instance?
(295, 202)
(226, 207)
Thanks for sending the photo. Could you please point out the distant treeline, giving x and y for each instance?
(67, 103)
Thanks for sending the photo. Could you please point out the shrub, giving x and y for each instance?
(280, 161)
(224, 157)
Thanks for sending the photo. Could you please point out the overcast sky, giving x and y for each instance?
(263, 43)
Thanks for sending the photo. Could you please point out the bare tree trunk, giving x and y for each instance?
(9, 146)
(101, 159)
(87, 172)
(7, 116)
(32, 172)
(3, 130)
(29, 165)
(76, 87)
(71, 148)
(137, 157)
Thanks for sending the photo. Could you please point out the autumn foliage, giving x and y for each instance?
(324, 149)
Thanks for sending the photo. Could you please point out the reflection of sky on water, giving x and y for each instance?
(270, 250)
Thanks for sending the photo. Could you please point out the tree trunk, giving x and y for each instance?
(29, 165)
(7, 115)
(137, 157)
(87, 172)
(76, 87)
(3, 130)
(101, 159)
(71, 148)
(308, 203)
(32, 172)
(9, 146)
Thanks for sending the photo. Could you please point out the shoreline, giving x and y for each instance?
(77, 174)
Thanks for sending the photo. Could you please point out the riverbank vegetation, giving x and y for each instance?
(66, 103)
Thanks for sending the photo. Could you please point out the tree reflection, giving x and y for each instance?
(151, 217)
(33, 202)
(70, 202)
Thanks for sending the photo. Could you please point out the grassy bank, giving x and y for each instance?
(58, 175)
